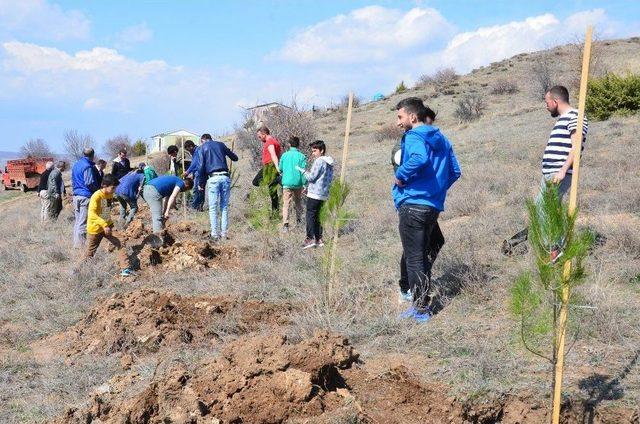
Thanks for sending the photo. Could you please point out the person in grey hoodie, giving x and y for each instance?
(319, 181)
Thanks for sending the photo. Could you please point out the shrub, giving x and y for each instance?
(36, 148)
(113, 145)
(387, 132)
(613, 95)
(504, 86)
(139, 148)
(161, 163)
(344, 102)
(543, 76)
(401, 88)
(470, 107)
(441, 78)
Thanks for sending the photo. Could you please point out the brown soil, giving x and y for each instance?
(145, 321)
(255, 379)
(268, 379)
(182, 246)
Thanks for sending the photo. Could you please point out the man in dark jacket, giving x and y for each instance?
(84, 180)
(121, 165)
(55, 189)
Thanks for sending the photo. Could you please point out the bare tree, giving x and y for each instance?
(36, 148)
(117, 143)
(75, 143)
(543, 75)
(283, 122)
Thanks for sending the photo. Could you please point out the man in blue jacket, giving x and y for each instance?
(85, 181)
(428, 168)
(211, 158)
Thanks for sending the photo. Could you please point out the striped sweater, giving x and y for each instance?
(559, 144)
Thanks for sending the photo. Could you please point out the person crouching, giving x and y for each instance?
(99, 224)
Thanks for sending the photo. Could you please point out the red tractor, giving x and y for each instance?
(24, 174)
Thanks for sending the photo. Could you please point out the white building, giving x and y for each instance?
(160, 142)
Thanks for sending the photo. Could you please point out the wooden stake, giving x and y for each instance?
(343, 174)
(233, 144)
(576, 142)
(184, 193)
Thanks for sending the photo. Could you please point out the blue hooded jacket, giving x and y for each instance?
(84, 178)
(428, 167)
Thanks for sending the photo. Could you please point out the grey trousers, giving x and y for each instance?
(563, 189)
(45, 202)
(80, 211)
(154, 200)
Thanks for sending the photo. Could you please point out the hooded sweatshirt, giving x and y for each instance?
(319, 178)
(428, 167)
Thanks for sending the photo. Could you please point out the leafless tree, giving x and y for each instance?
(115, 144)
(74, 143)
(36, 148)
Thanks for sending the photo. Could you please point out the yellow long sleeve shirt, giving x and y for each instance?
(97, 221)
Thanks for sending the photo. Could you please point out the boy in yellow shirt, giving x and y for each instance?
(99, 224)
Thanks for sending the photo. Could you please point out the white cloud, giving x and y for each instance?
(132, 35)
(42, 20)
(371, 33)
(468, 50)
(92, 103)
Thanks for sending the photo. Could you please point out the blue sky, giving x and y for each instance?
(143, 67)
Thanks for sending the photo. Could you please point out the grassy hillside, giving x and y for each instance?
(469, 351)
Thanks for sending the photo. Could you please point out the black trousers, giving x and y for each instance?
(314, 229)
(416, 227)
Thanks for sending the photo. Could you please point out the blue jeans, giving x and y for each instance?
(219, 188)
(198, 199)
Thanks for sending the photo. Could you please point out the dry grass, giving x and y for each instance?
(471, 344)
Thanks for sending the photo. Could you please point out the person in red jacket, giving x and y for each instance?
(271, 152)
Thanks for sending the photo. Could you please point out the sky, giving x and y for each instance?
(144, 67)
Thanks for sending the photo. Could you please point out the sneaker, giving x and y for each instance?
(409, 313)
(319, 243)
(405, 297)
(285, 228)
(309, 243)
(555, 254)
(423, 316)
(126, 272)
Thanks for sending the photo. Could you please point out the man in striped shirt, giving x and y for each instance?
(557, 160)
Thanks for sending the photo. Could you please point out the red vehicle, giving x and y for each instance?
(24, 174)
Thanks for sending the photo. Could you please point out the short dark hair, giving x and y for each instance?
(101, 162)
(122, 151)
(559, 92)
(319, 144)
(109, 181)
(189, 144)
(415, 105)
(172, 149)
(88, 152)
(188, 184)
(206, 136)
(263, 129)
(294, 141)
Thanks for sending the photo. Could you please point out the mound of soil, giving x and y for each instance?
(183, 245)
(145, 321)
(255, 379)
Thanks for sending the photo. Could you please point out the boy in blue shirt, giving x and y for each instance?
(160, 194)
(428, 168)
(127, 194)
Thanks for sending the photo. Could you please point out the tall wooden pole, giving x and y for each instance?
(343, 174)
(184, 193)
(576, 141)
(233, 145)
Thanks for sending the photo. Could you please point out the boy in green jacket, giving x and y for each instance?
(292, 181)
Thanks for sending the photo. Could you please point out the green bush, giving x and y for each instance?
(401, 88)
(613, 95)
